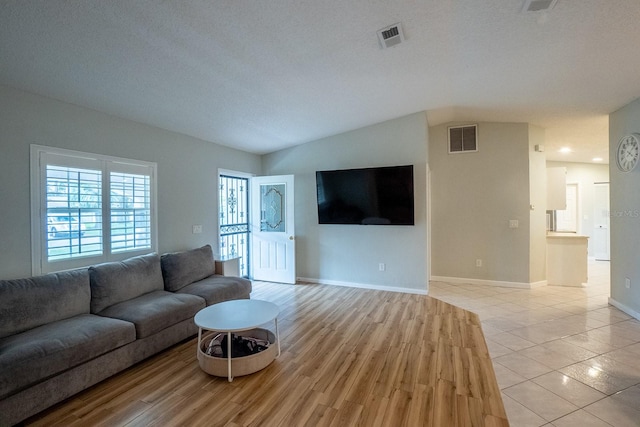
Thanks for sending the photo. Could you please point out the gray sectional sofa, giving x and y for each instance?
(63, 332)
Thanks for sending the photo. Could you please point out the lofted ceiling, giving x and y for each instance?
(261, 76)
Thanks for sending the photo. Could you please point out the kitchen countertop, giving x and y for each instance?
(554, 234)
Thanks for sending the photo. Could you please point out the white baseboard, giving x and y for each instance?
(365, 286)
(631, 312)
(462, 280)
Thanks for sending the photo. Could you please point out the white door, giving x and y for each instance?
(273, 229)
(601, 221)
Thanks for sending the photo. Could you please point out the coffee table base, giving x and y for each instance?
(239, 316)
(237, 366)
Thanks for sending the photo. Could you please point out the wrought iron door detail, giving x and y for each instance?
(234, 220)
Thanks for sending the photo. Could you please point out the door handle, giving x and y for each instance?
(291, 238)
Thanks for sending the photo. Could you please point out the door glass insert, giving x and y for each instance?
(272, 208)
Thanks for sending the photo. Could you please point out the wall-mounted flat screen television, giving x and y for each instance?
(369, 196)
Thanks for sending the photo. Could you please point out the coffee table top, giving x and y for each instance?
(236, 315)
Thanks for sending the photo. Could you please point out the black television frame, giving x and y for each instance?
(390, 188)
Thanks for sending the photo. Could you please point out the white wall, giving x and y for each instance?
(350, 254)
(475, 195)
(585, 175)
(625, 215)
(537, 213)
(187, 170)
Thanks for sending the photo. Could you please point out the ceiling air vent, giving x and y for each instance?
(463, 139)
(538, 5)
(390, 36)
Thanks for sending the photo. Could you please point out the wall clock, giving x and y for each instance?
(628, 152)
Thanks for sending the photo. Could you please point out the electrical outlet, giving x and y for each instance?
(197, 229)
(513, 223)
(478, 263)
(627, 283)
(382, 267)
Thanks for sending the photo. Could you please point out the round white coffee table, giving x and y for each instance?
(236, 316)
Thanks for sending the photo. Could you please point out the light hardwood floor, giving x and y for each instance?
(349, 357)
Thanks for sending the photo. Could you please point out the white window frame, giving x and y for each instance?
(40, 156)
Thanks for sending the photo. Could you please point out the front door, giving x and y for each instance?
(273, 229)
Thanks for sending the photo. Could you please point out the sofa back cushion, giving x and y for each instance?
(183, 268)
(35, 301)
(115, 282)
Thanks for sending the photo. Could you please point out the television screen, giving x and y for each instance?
(370, 196)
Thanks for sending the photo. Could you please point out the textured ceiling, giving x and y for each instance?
(261, 76)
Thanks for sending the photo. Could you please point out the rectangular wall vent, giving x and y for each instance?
(390, 36)
(538, 5)
(463, 139)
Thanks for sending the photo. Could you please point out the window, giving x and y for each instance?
(463, 139)
(73, 212)
(130, 200)
(88, 208)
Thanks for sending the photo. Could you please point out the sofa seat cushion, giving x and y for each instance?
(115, 282)
(180, 269)
(216, 288)
(155, 311)
(37, 354)
(28, 303)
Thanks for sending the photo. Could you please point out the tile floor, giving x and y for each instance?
(562, 356)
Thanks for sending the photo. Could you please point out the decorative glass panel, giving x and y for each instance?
(272, 208)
